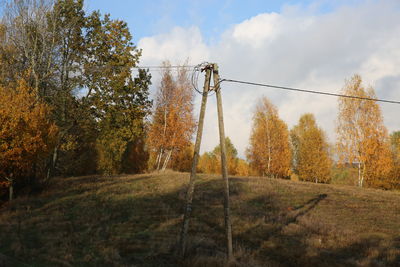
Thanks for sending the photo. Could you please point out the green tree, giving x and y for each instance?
(75, 143)
(46, 38)
(119, 102)
(80, 65)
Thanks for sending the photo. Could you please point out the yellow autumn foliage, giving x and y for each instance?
(310, 150)
(269, 151)
(362, 135)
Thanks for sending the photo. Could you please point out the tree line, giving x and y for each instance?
(274, 150)
(70, 105)
(362, 143)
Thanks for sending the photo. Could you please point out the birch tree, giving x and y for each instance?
(395, 146)
(362, 138)
(269, 151)
(80, 65)
(173, 123)
(32, 30)
(47, 41)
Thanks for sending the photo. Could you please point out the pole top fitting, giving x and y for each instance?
(207, 67)
(210, 66)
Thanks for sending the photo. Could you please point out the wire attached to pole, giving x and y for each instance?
(195, 77)
(309, 91)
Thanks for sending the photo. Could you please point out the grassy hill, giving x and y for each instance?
(135, 221)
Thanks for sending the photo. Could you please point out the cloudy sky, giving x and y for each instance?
(307, 44)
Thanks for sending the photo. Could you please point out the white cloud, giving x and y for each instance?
(178, 45)
(292, 48)
(257, 30)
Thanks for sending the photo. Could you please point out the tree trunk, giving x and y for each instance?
(359, 174)
(362, 176)
(11, 191)
(166, 161)
(52, 166)
(269, 148)
(159, 155)
(159, 159)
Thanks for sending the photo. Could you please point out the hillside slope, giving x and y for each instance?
(135, 221)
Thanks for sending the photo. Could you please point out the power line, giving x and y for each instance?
(103, 67)
(310, 91)
(197, 69)
(165, 67)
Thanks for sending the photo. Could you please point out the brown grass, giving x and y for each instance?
(135, 221)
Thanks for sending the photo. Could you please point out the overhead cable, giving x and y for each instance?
(309, 91)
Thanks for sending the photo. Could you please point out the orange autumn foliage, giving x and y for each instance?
(243, 168)
(269, 151)
(173, 123)
(210, 162)
(26, 133)
(207, 163)
(362, 136)
(182, 160)
(395, 149)
(395, 146)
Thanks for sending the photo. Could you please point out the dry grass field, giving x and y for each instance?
(135, 220)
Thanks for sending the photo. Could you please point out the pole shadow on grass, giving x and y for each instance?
(270, 216)
(306, 207)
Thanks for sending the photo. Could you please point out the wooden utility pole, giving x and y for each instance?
(224, 168)
(211, 69)
(190, 190)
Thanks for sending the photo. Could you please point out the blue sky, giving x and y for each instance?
(146, 18)
(310, 44)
